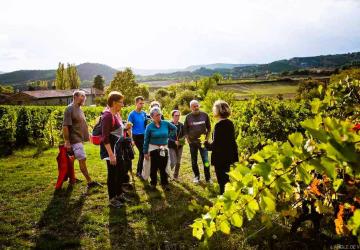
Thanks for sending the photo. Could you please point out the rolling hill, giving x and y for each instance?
(296, 63)
(216, 66)
(86, 71)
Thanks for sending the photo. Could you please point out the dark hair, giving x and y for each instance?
(139, 98)
(114, 96)
(174, 111)
(78, 92)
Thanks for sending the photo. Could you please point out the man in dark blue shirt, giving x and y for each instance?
(139, 120)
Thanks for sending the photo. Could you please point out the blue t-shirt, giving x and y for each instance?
(158, 136)
(138, 119)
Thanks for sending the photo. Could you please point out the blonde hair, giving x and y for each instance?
(155, 103)
(221, 109)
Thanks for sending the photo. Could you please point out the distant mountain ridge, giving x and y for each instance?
(87, 71)
(148, 72)
(216, 66)
(296, 63)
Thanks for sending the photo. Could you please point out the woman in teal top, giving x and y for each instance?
(155, 148)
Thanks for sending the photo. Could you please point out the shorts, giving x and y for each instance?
(78, 149)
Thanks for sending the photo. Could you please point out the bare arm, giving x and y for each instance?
(111, 154)
(66, 137)
(208, 128)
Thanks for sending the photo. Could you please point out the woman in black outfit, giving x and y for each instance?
(224, 148)
(112, 129)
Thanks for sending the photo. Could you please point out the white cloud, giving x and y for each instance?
(172, 34)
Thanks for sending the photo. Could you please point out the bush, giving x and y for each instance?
(309, 89)
(184, 98)
(7, 129)
(35, 125)
(211, 97)
(260, 121)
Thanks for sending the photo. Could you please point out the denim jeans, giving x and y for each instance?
(194, 148)
(139, 143)
(175, 159)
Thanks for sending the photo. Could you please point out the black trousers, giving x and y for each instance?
(222, 176)
(127, 165)
(139, 143)
(158, 162)
(115, 179)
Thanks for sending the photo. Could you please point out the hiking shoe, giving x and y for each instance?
(129, 186)
(122, 198)
(115, 203)
(152, 187)
(196, 180)
(94, 184)
(76, 181)
(210, 182)
(126, 189)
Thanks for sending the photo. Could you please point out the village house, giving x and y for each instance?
(53, 97)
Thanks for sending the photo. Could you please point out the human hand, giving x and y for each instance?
(67, 145)
(147, 156)
(112, 159)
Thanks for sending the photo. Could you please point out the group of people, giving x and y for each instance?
(159, 142)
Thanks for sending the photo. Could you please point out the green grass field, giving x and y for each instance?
(32, 215)
(248, 90)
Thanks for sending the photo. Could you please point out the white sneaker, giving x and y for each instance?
(196, 180)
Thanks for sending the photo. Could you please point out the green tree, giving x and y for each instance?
(308, 89)
(73, 79)
(61, 78)
(217, 77)
(6, 89)
(99, 82)
(205, 84)
(351, 73)
(143, 90)
(124, 81)
(40, 84)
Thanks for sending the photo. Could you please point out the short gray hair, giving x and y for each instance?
(194, 102)
(153, 110)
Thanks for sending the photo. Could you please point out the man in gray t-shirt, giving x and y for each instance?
(197, 123)
(75, 131)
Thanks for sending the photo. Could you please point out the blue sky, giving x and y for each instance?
(172, 34)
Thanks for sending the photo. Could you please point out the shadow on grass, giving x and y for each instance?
(202, 200)
(120, 230)
(169, 219)
(59, 225)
